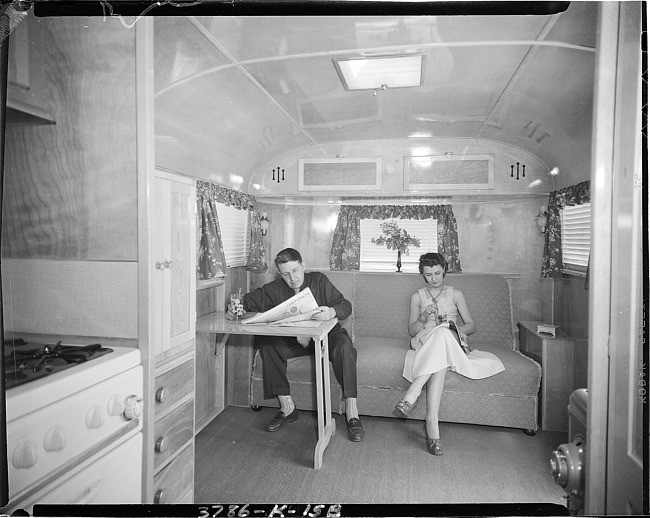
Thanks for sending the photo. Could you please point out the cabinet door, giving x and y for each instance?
(173, 261)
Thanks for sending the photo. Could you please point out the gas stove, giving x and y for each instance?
(28, 361)
(74, 422)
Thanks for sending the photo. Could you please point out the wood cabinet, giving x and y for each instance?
(210, 378)
(555, 355)
(210, 358)
(25, 75)
(173, 262)
(172, 324)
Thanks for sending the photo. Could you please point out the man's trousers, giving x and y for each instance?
(276, 350)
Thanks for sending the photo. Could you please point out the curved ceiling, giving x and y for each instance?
(233, 92)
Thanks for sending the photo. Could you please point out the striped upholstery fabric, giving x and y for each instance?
(378, 325)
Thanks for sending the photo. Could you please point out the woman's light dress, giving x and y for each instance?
(435, 348)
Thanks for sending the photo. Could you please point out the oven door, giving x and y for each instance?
(110, 477)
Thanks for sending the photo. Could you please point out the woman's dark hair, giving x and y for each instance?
(432, 259)
(287, 255)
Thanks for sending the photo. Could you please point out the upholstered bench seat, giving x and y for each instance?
(378, 327)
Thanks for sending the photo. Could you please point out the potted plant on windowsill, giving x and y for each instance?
(396, 238)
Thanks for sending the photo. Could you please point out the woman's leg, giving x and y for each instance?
(434, 394)
(413, 392)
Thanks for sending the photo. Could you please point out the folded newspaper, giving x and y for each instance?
(296, 311)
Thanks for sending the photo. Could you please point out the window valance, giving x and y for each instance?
(211, 261)
(573, 195)
(345, 254)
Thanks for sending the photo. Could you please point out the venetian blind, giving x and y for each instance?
(576, 236)
(233, 224)
(379, 258)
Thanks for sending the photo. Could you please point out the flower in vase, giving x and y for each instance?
(395, 238)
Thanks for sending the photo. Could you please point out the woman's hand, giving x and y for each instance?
(324, 313)
(431, 311)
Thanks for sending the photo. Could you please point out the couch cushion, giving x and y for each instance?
(380, 362)
(381, 305)
(344, 282)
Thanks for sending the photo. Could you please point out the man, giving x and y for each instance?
(276, 350)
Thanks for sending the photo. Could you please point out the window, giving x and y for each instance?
(576, 237)
(233, 224)
(380, 258)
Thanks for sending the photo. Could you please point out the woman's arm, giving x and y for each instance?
(468, 327)
(418, 316)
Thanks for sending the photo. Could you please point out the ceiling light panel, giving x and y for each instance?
(372, 73)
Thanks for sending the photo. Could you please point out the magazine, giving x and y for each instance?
(296, 311)
(460, 338)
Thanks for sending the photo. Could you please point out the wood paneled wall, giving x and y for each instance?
(70, 188)
(84, 298)
(494, 236)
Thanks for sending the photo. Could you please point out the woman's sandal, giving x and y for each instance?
(433, 445)
(404, 408)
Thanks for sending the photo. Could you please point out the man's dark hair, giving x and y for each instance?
(287, 255)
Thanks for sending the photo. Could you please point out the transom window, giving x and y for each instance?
(380, 258)
(576, 237)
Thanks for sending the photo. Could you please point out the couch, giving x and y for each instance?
(378, 327)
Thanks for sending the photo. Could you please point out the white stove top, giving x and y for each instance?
(29, 397)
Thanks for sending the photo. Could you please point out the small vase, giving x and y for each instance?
(399, 261)
(235, 306)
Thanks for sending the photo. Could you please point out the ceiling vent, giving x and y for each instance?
(372, 73)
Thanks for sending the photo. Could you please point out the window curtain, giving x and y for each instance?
(346, 249)
(211, 261)
(574, 195)
(211, 257)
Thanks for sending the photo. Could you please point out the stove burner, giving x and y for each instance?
(24, 361)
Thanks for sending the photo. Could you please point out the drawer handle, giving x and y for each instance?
(167, 264)
(161, 395)
(162, 444)
(160, 497)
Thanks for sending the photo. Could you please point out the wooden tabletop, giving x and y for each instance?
(218, 323)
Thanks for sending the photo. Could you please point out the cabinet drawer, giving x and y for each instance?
(172, 432)
(173, 385)
(176, 479)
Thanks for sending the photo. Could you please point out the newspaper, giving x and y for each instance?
(296, 311)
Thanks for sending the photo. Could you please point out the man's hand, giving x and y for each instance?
(324, 313)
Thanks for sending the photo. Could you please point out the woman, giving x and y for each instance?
(436, 345)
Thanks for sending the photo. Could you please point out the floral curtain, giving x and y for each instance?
(211, 263)
(574, 195)
(346, 244)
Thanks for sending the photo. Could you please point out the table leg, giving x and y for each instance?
(326, 425)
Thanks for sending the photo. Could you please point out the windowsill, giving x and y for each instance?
(574, 273)
(210, 283)
(509, 275)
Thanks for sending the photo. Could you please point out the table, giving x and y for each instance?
(218, 323)
(555, 355)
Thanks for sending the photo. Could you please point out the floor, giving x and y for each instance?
(238, 461)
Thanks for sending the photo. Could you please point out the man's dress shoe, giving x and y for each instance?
(279, 420)
(355, 429)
